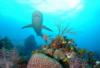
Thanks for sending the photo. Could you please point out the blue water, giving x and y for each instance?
(85, 22)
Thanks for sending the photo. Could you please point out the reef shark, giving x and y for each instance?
(37, 23)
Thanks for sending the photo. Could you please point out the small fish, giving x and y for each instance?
(45, 37)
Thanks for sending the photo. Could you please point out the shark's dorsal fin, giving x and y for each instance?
(46, 28)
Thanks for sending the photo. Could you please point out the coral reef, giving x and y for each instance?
(16, 56)
(60, 52)
(66, 53)
(6, 43)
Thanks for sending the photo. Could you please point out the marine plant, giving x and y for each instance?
(64, 30)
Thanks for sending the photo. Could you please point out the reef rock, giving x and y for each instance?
(40, 60)
(59, 54)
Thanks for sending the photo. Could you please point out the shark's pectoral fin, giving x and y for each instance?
(46, 28)
(27, 26)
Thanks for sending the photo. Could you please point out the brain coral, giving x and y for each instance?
(39, 60)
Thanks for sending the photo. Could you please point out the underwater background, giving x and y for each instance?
(83, 16)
